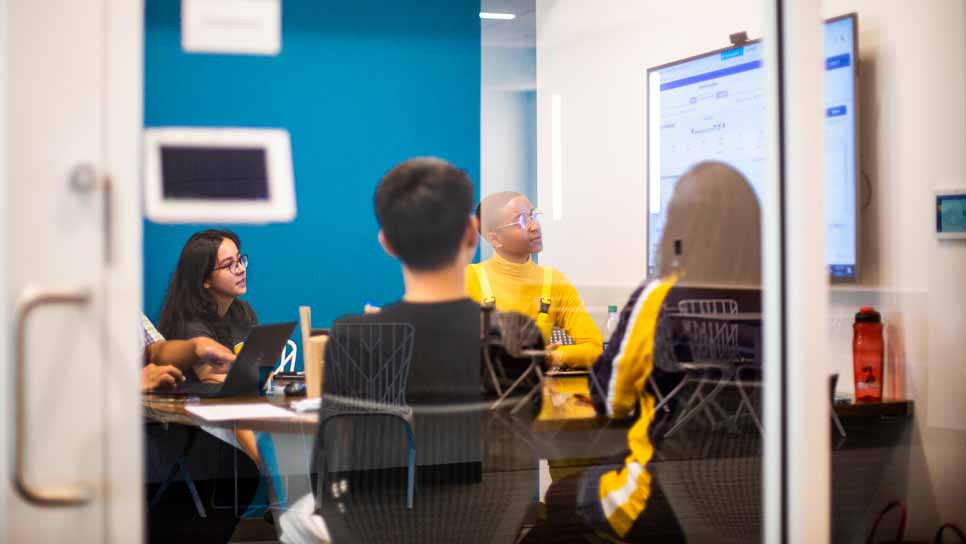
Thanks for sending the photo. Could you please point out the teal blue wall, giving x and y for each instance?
(360, 85)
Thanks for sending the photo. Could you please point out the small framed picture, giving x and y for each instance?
(951, 214)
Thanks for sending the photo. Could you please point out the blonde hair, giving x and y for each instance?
(713, 230)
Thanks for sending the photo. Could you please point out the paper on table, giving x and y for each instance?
(307, 405)
(223, 412)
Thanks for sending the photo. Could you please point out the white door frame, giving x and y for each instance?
(797, 447)
(122, 487)
(125, 98)
(6, 403)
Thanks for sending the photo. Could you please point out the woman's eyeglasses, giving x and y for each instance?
(523, 220)
(236, 266)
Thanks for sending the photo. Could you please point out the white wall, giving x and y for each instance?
(913, 140)
(913, 125)
(508, 119)
(508, 108)
(913, 130)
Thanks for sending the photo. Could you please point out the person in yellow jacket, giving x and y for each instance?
(514, 283)
(712, 239)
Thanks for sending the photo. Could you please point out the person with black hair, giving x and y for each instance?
(202, 298)
(511, 281)
(424, 209)
(202, 301)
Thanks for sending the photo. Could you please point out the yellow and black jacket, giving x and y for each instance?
(622, 373)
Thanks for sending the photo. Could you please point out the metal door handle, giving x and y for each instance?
(55, 496)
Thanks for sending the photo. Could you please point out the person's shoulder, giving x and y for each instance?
(353, 319)
(403, 310)
(558, 277)
(469, 306)
(246, 310)
(192, 328)
(651, 288)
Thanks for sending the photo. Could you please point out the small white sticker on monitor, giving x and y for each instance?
(218, 175)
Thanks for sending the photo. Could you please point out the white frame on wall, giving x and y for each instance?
(280, 205)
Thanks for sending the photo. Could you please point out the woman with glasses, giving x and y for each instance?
(202, 301)
(512, 282)
(202, 297)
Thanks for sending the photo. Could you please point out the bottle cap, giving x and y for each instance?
(867, 314)
(611, 308)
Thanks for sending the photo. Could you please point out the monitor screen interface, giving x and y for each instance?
(712, 107)
(951, 214)
(219, 173)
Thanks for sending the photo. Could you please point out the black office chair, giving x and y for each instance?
(513, 348)
(366, 374)
(362, 499)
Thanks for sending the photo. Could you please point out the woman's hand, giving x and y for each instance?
(160, 377)
(213, 355)
(553, 356)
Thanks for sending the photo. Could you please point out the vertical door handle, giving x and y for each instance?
(40, 496)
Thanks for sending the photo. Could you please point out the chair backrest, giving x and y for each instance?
(666, 346)
(289, 354)
(710, 341)
(367, 368)
(673, 343)
(708, 306)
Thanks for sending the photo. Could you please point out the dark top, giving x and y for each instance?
(229, 331)
(444, 371)
(446, 354)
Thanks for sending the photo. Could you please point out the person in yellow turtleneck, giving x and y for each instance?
(511, 280)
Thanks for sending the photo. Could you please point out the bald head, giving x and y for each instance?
(489, 212)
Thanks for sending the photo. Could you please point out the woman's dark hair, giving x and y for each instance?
(187, 300)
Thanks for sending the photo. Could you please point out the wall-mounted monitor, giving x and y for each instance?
(712, 107)
(218, 175)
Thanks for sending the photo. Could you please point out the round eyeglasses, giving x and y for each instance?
(236, 266)
(523, 220)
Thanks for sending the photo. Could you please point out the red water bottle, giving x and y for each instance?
(867, 354)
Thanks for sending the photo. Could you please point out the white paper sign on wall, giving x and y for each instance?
(241, 27)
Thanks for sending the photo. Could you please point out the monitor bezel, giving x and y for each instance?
(855, 277)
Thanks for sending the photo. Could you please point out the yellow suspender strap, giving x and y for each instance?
(486, 292)
(545, 291)
(543, 318)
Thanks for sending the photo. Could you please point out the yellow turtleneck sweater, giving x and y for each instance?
(517, 288)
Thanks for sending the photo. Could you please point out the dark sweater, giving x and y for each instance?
(446, 355)
(445, 371)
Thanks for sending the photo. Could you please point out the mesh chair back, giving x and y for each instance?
(666, 344)
(367, 369)
(710, 341)
(708, 306)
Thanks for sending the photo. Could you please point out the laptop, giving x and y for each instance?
(263, 347)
